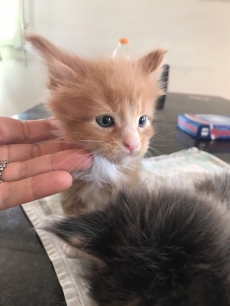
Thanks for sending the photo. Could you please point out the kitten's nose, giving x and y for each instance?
(131, 145)
(130, 138)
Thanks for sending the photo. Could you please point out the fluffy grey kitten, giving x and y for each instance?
(164, 248)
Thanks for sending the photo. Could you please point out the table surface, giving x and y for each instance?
(27, 275)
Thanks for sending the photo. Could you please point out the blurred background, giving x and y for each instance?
(196, 33)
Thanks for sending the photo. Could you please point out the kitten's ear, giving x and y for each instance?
(60, 74)
(48, 50)
(151, 61)
(64, 68)
(89, 233)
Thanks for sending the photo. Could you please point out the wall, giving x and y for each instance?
(195, 32)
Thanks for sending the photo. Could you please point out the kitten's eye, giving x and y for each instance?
(105, 121)
(142, 121)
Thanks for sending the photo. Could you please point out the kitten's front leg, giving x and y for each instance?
(72, 204)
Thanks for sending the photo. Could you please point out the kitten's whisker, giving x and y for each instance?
(165, 135)
(96, 151)
(171, 140)
(148, 154)
(101, 151)
(75, 146)
(162, 119)
(164, 145)
(71, 155)
(155, 150)
(166, 139)
(90, 148)
(93, 152)
(92, 140)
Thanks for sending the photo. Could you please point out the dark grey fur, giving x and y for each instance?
(161, 249)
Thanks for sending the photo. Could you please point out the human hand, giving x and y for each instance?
(35, 169)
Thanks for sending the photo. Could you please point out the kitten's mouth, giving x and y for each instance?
(126, 154)
(124, 157)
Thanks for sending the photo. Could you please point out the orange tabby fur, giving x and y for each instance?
(81, 90)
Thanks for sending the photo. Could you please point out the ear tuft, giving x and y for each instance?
(88, 233)
(67, 230)
(64, 68)
(46, 49)
(151, 61)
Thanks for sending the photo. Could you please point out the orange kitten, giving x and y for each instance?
(106, 106)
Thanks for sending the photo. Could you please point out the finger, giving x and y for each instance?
(16, 131)
(69, 160)
(30, 189)
(21, 152)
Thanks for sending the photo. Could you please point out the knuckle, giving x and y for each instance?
(25, 130)
(53, 162)
(34, 190)
(36, 150)
(4, 152)
(22, 170)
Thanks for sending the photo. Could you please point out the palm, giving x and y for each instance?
(36, 169)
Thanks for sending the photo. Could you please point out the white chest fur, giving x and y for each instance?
(102, 180)
(102, 172)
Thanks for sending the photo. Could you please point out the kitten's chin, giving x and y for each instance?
(126, 157)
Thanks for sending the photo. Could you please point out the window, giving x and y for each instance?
(11, 23)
